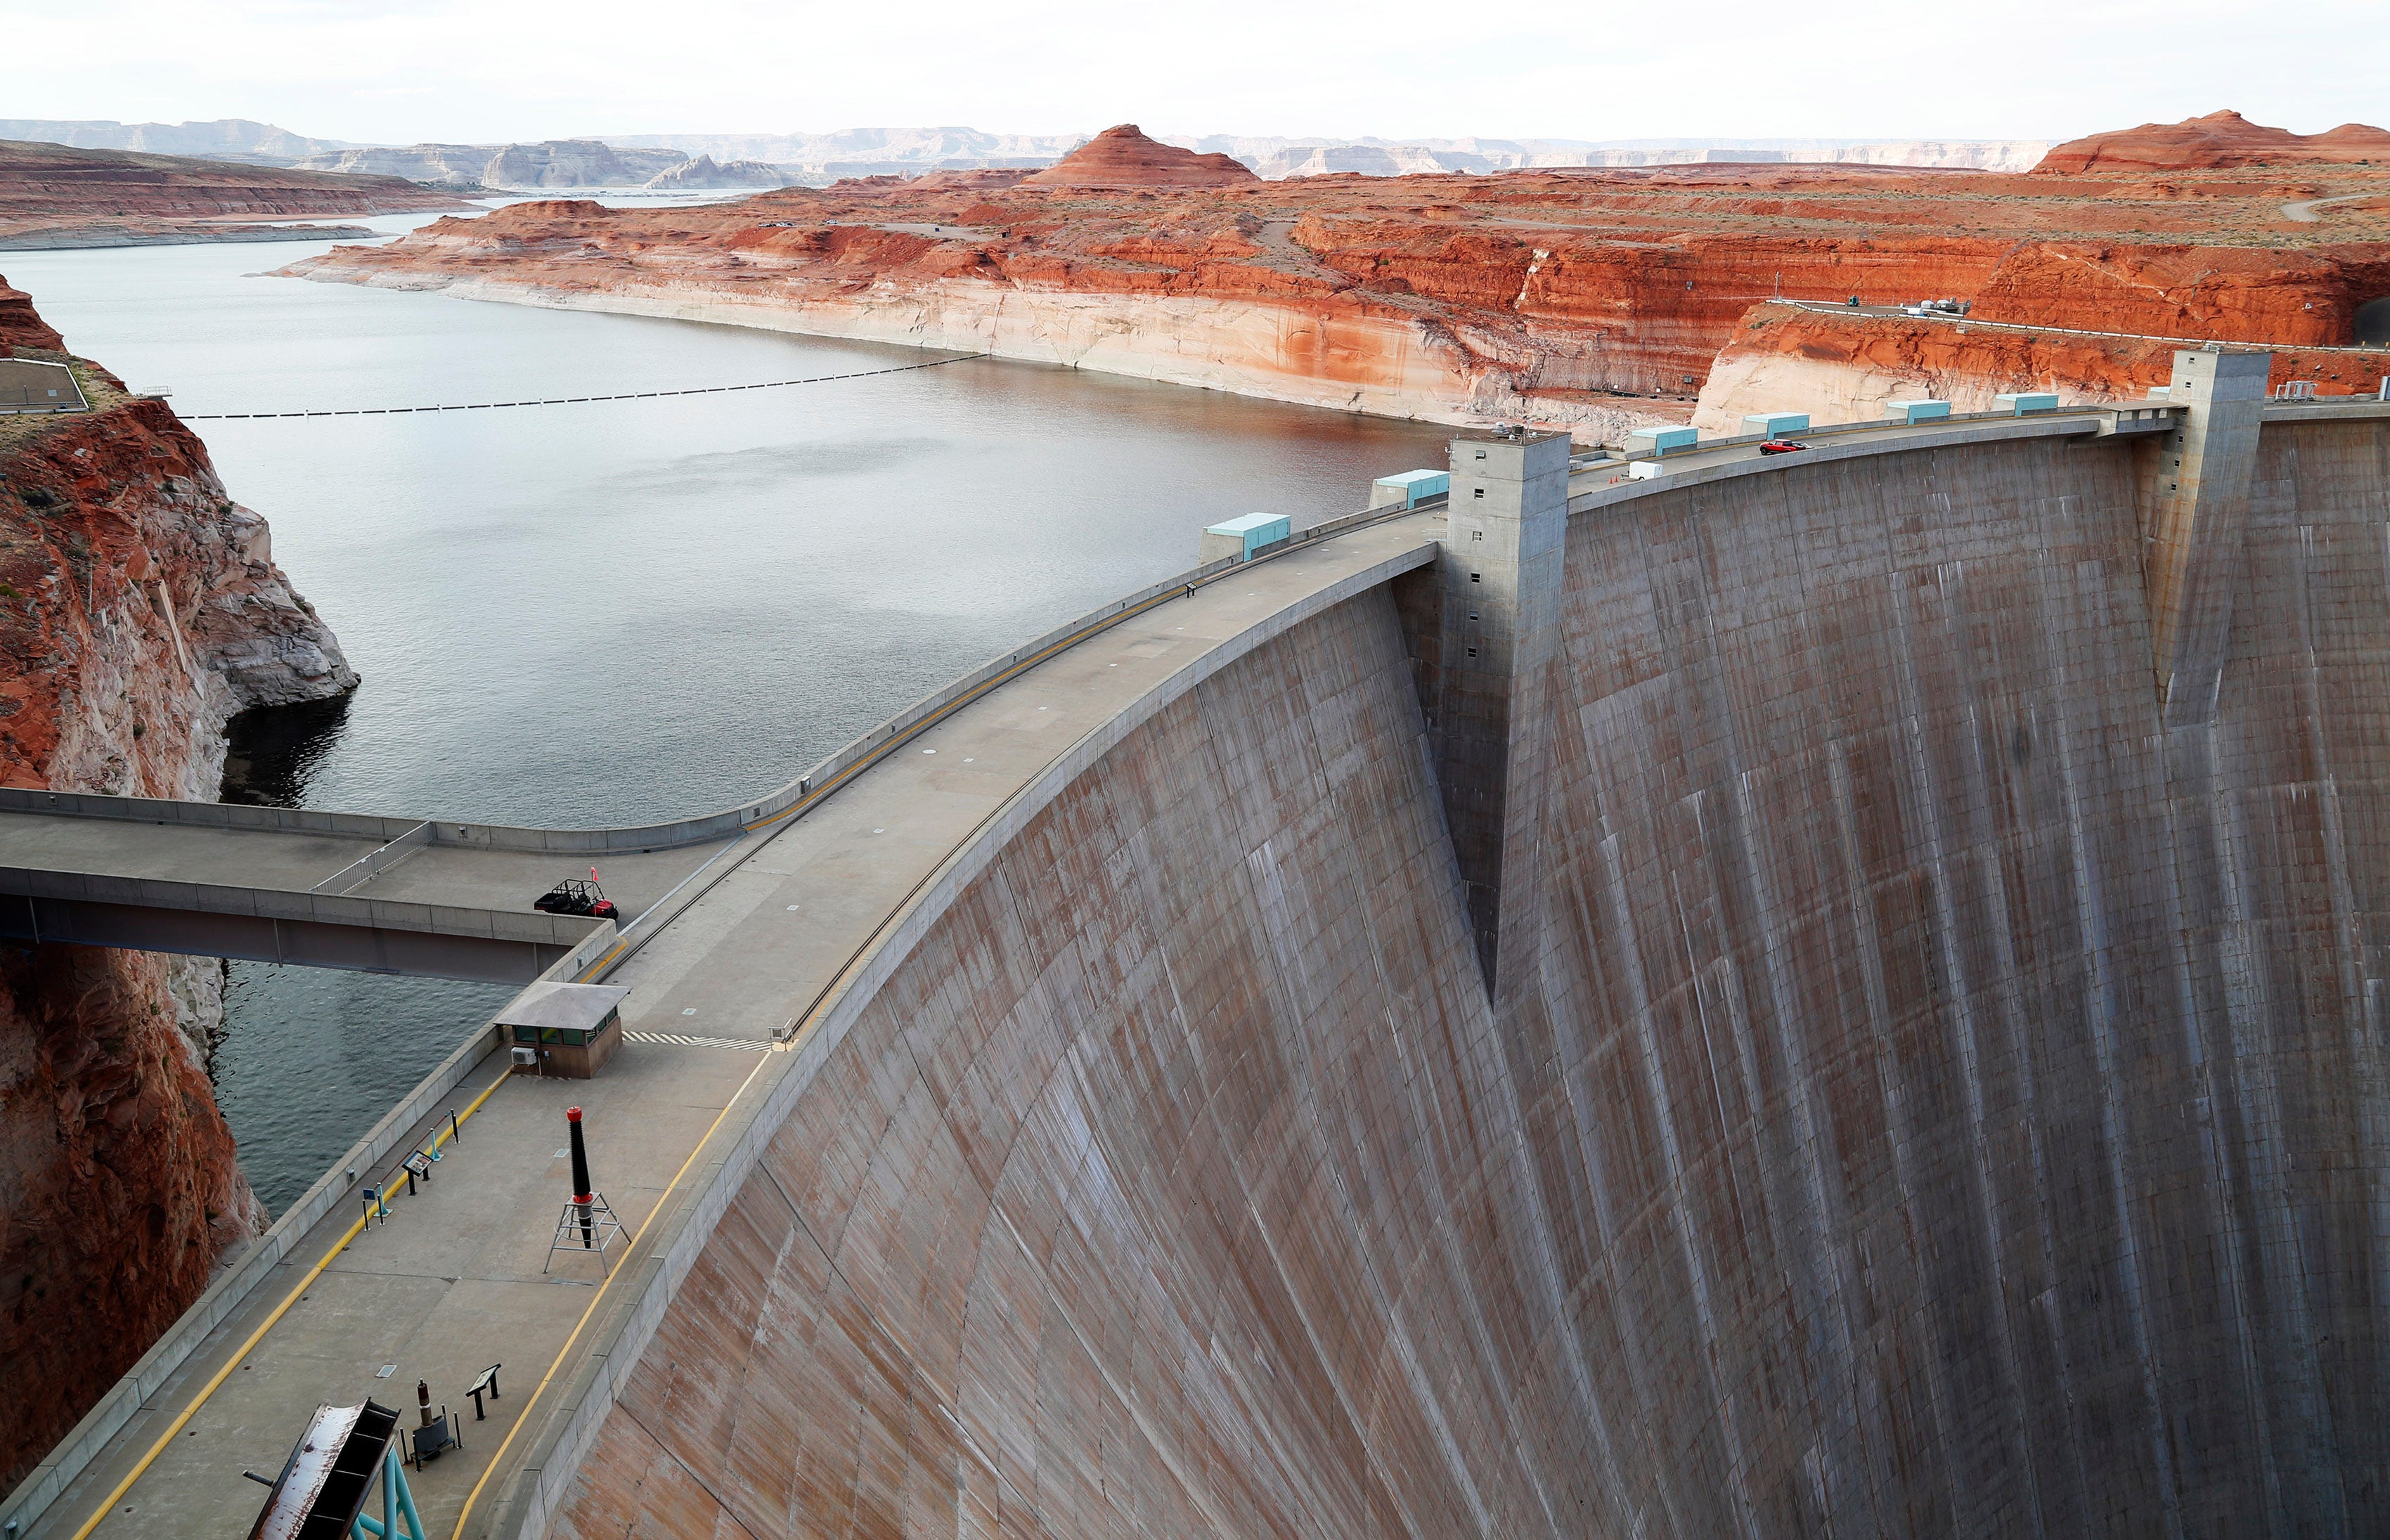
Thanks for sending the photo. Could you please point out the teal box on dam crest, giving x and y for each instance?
(1408, 489)
(1245, 537)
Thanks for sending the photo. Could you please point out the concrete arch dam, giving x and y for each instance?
(1888, 1043)
(1831, 994)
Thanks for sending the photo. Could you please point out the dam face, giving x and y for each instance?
(1925, 1093)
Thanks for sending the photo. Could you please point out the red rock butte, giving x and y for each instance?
(2218, 141)
(1123, 157)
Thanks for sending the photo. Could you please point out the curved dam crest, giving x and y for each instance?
(1926, 1089)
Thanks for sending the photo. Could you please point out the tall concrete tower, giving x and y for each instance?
(2200, 504)
(1485, 691)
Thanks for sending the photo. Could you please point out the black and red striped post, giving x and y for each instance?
(582, 1196)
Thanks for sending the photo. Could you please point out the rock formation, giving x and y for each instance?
(1844, 368)
(1123, 157)
(1598, 300)
(576, 163)
(139, 608)
(469, 168)
(21, 325)
(2215, 142)
(705, 173)
(51, 195)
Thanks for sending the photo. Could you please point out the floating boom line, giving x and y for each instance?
(574, 401)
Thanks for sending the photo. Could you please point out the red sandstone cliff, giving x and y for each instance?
(139, 607)
(2305, 297)
(1842, 367)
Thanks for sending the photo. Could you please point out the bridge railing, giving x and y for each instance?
(154, 810)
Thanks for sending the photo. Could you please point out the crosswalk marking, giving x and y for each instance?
(685, 1041)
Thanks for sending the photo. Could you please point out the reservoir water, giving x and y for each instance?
(630, 610)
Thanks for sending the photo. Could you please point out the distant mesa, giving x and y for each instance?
(706, 175)
(1123, 157)
(55, 198)
(2216, 141)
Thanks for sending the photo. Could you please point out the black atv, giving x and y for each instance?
(577, 895)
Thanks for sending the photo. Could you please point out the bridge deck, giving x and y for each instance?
(459, 876)
(452, 1283)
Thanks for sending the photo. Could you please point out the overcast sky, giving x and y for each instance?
(403, 70)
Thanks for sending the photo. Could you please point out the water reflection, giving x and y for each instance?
(274, 753)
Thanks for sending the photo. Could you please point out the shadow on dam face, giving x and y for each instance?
(1937, 1098)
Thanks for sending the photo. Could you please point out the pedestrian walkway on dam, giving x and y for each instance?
(452, 1282)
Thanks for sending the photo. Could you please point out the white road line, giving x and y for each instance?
(685, 1041)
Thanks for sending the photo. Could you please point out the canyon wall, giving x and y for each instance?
(1845, 367)
(139, 608)
(1936, 1100)
(2306, 297)
(1343, 357)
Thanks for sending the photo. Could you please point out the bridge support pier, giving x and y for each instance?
(1484, 629)
(2199, 503)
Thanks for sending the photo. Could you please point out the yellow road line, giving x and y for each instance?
(255, 1337)
(599, 1298)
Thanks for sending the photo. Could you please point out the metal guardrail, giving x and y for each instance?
(1881, 437)
(376, 862)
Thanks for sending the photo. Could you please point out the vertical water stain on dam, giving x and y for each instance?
(1927, 1094)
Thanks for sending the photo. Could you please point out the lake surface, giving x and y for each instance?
(631, 610)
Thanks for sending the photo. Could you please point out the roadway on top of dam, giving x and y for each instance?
(728, 979)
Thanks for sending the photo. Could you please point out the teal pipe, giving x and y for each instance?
(397, 1501)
